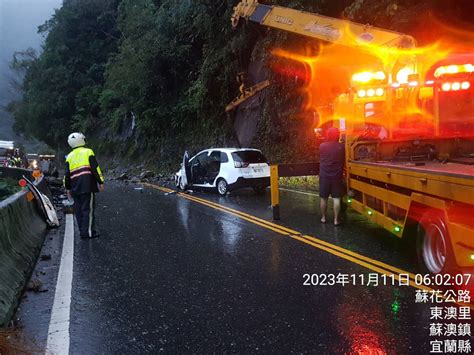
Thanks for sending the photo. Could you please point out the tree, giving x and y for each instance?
(62, 85)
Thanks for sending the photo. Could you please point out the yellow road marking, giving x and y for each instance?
(318, 243)
(359, 262)
(333, 249)
(316, 240)
(204, 202)
(356, 258)
(293, 232)
(362, 257)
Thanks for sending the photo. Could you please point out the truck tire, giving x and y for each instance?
(433, 244)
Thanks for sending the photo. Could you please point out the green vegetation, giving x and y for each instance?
(309, 183)
(8, 187)
(146, 79)
(168, 64)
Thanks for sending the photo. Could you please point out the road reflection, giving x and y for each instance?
(231, 233)
(182, 207)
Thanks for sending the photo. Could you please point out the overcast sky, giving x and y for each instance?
(19, 21)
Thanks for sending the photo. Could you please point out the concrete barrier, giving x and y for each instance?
(14, 173)
(22, 232)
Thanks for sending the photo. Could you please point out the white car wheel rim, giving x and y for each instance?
(222, 187)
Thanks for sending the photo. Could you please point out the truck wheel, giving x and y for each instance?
(222, 187)
(433, 244)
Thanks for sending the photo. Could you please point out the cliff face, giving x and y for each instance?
(146, 79)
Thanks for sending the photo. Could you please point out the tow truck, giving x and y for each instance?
(408, 128)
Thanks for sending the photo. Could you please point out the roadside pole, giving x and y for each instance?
(275, 193)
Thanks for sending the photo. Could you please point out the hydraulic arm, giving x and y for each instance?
(319, 27)
(349, 34)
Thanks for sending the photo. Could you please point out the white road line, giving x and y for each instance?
(58, 332)
(299, 192)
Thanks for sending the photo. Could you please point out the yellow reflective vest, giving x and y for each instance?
(82, 173)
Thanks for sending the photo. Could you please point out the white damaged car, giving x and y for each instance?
(224, 169)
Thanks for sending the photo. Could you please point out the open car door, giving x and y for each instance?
(185, 179)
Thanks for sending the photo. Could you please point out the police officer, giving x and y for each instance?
(82, 180)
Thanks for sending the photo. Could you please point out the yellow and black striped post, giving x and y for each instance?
(275, 193)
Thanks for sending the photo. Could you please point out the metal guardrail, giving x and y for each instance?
(287, 170)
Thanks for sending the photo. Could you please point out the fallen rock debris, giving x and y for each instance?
(36, 286)
(45, 257)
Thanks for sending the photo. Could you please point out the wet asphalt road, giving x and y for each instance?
(172, 275)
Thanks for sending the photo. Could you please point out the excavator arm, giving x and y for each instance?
(319, 27)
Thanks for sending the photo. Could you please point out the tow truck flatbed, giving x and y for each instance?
(451, 181)
(428, 167)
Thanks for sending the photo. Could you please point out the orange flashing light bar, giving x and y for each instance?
(453, 69)
(366, 77)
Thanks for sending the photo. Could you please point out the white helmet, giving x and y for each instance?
(76, 139)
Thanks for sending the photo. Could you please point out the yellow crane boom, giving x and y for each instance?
(349, 34)
(319, 27)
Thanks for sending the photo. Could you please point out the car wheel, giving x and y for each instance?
(433, 244)
(222, 187)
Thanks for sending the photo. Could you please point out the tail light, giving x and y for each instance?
(456, 86)
(240, 164)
